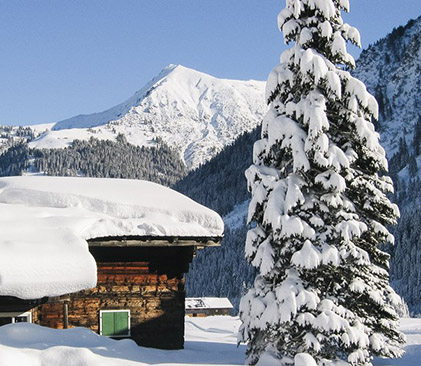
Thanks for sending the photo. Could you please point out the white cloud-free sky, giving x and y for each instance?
(62, 58)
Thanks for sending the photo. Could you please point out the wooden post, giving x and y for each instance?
(65, 315)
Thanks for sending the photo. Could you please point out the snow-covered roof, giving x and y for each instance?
(45, 222)
(199, 303)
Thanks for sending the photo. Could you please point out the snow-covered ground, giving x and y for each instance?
(412, 357)
(209, 341)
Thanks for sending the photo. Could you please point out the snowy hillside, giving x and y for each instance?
(391, 70)
(196, 113)
(12, 135)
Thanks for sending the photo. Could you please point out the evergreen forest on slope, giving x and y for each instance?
(97, 158)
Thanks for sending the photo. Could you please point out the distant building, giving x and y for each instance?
(206, 306)
(125, 279)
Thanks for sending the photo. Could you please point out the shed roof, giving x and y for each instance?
(45, 223)
(201, 303)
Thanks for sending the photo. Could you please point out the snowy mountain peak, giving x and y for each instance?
(101, 118)
(194, 112)
(170, 67)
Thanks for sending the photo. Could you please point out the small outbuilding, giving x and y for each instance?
(106, 254)
(207, 306)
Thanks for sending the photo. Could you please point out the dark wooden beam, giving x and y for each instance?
(157, 241)
(65, 315)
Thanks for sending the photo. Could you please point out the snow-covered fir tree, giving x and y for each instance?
(319, 209)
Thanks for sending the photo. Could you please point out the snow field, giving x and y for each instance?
(209, 341)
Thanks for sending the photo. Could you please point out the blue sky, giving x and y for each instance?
(61, 58)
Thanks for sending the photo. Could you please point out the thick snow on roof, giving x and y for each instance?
(208, 303)
(45, 222)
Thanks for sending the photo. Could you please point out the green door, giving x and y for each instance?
(115, 323)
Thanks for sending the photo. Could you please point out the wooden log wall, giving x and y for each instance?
(151, 288)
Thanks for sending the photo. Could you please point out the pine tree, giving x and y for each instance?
(319, 208)
(417, 137)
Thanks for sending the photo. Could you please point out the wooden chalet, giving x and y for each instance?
(139, 291)
(139, 294)
(208, 306)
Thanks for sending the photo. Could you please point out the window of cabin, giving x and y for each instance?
(114, 323)
(9, 318)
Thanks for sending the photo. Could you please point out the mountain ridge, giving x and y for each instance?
(391, 69)
(101, 118)
(191, 111)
